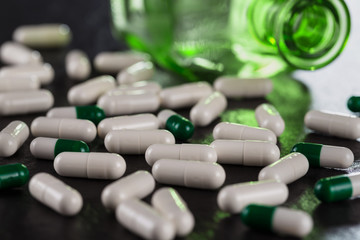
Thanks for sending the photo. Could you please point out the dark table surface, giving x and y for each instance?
(23, 217)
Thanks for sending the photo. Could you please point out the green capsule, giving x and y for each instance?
(310, 150)
(66, 145)
(180, 127)
(13, 175)
(354, 103)
(92, 113)
(337, 188)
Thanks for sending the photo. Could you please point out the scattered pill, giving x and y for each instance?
(268, 117)
(178, 125)
(113, 62)
(77, 65)
(353, 103)
(144, 86)
(55, 194)
(13, 175)
(12, 137)
(17, 54)
(136, 185)
(43, 72)
(140, 71)
(194, 174)
(12, 84)
(75, 129)
(49, 148)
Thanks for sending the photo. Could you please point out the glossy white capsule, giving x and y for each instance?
(143, 86)
(135, 141)
(287, 169)
(143, 220)
(12, 137)
(12, 84)
(268, 117)
(43, 72)
(344, 126)
(16, 54)
(75, 129)
(208, 109)
(171, 205)
(248, 153)
(77, 65)
(233, 87)
(195, 152)
(90, 165)
(88, 92)
(140, 71)
(233, 198)
(43, 35)
(194, 174)
(136, 185)
(25, 102)
(55, 194)
(185, 95)
(113, 62)
(234, 131)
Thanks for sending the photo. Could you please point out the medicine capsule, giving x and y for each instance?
(343, 126)
(49, 148)
(135, 141)
(13, 84)
(77, 65)
(144, 86)
(140, 122)
(136, 185)
(17, 54)
(248, 153)
(12, 137)
(337, 188)
(13, 175)
(194, 174)
(171, 205)
(43, 35)
(95, 165)
(280, 220)
(268, 117)
(89, 91)
(234, 131)
(287, 169)
(353, 103)
(55, 194)
(113, 62)
(143, 220)
(320, 155)
(92, 113)
(140, 71)
(43, 72)
(233, 198)
(178, 125)
(195, 152)
(233, 87)
(185, 95)
(75, 129)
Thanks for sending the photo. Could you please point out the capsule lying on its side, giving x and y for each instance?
(12, 137)
(13, 175)
(140, 71)
(17, 54)
(92, 113)
(268, 117)
(43, 72)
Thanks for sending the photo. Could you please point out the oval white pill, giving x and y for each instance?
(43, 72)
(137, 72)
(268, 117)
(113, 62)
(12, 137)
(12, 84)
(17, 54)
(77, 65)
(144, 86)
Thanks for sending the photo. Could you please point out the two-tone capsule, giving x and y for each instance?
(12, 137)
(12, 84)
(268, 117)
(77, 65)
(13, 175)
(43, 72)
(93, 113)
(17, 54)
(113, 62)
(140, 71)
(178, 125)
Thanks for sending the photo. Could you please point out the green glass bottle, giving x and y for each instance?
(202, 39)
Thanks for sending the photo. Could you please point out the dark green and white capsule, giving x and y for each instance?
(13, 175)
(48, 148)
(93, 113)
(179, 126)
(280, 220)
(354, 103)
(320, 155)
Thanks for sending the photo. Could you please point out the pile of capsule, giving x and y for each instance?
(123, 117)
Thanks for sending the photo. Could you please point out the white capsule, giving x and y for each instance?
(12, 84)
(287, 169)
(195, 174)
(233, 131)
(185, 95)
(129, 103)
(344, 126)
(17, 54)
(143, 86)
(12, 137)
(135, 141)
(171, 205)
(43, 35)
(137, 72)
(24, 102)
(113, 62)
(208, 109)
(75, 129)
(248, 153)
(136, 185)
(195, 152)
(90, 165)
(88, 92)
(143, 220)
(62, 112)
(268, 117)
(233, 198)
(43, 72)
(55, 194)
(77, 65)
(233, 87)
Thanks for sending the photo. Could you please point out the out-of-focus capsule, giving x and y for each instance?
(144, 86)
(13, 175)
(137, 72)
(17, 54)
(77, 65)
(113, 62)
(43, 72)
(178, 125)
(353, 103)
(12, 137)
(268, 117)
(13, 84)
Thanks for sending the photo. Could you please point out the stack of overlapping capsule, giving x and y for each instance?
(123, 117)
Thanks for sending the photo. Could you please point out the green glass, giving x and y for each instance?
(66, 145)
(92, 113)
(203, 39)
(258, 216)
(333, 189)
(13, 175)
(180, 127)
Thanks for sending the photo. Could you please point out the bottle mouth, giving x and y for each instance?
(311, 34)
